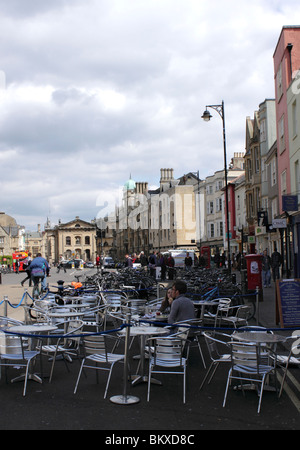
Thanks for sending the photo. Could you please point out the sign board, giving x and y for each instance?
(251, 240)
(260, 230)
(290, 203)
(279, 223)
(288, 303)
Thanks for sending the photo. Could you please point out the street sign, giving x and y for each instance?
(290, 203)
(279, 223)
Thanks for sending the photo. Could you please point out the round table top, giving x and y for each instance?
(36, 328)
(146, 330)
(259, 337)
(205, 302)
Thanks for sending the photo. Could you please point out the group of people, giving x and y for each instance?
(36, 269)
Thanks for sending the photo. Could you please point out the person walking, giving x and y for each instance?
(26, 265)
(276, 261)
(266, 269)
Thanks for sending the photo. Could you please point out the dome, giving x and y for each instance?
(129, 185)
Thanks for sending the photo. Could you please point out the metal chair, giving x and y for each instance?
(239, 319)
(292, 359)
(193, 336)
(247, 365)
(67, 345)
(214, 345)
(14, 353)
(167, 354)
(96, 352)
(223, 307)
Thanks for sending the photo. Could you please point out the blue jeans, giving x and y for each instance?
(43, 281)
(266, 277)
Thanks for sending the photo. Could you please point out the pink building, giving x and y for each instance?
(286, 61)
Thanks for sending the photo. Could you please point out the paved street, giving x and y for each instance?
(54, 406)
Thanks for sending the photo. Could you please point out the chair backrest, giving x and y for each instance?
(224, 305)
(74, 328)
(11, 344)
(95, 345)
(168, 349)
(213, 345)
(247, 356)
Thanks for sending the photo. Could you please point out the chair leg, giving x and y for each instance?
(108, 379)
(227, 386)
(79, 375)
(149, 383)
(201, 353)
(184, 385)
(206, 375)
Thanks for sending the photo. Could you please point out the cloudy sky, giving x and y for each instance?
(92, 91)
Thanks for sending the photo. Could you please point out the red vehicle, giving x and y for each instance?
(20, 257)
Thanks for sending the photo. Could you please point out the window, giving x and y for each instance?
(279, 83)
(257, 159)
(283, 183)
(273, 173)
(281, 134)
(297, 178)
(68, 240)
(219, 204)
(263, 136)
(77, 240)
(210, 207)
(211, 230)
(220, 229)
(274, 208)
(87, 240)
(294, 120)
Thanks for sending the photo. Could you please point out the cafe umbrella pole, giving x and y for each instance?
(125, 399)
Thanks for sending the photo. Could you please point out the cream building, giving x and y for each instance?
(74, 239)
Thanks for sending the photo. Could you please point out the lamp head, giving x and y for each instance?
(206, 116)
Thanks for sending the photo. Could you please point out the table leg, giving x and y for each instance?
(143, 378)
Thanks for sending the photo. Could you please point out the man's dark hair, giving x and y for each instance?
(180, 286)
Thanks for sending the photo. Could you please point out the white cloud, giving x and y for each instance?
(99, 89)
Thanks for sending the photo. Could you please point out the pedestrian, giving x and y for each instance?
(266, 269)
(143, 260)
(171, 267)
(152, 264)
(40, 270)
(188, 262)
(98, 262)
(26, 266)
(276, 262)
(61, 265)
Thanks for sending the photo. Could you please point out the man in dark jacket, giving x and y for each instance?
(276, 262)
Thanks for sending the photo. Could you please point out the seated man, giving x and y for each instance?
(182, 308)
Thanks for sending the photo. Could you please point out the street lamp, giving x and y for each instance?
(206, 117)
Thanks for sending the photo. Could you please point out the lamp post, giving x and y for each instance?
(206, 117)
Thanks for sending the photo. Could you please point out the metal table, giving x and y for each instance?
(143, 332)
(31, 330)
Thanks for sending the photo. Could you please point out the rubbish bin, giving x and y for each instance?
(254, 271)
